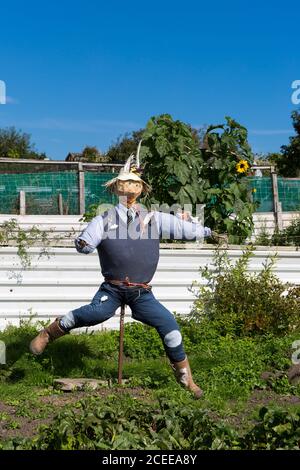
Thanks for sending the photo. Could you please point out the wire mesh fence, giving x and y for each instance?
(42, 192)
(95, 192)
(55, 188)
(288, 193)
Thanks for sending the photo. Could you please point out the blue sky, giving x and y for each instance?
(84, 72)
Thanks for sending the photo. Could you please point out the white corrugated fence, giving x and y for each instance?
(66, 280)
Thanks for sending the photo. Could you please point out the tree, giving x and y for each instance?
(16, 144)
(288, 162)
(125, 145)
(88, 155)
(93, 155)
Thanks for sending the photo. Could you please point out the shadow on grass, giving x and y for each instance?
(73, 355)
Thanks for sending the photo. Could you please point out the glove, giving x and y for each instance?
(219, 238)
(81, 243)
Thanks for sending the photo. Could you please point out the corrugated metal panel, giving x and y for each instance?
(65, 225)
(266, 221)
(68, 280)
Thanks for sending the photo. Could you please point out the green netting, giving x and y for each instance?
(288, 193)
(42, 190)
(263, 193)
(95, 192)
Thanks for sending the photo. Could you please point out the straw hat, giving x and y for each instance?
(130, 171)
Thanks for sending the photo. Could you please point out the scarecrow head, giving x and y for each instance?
(128, 183)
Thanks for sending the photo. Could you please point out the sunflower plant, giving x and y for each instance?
(182, 171)
(227, 160)
(172, 159)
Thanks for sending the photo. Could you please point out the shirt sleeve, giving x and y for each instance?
(175, 228)
(92, 235)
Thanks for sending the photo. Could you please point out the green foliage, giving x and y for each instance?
(121, 423)
(90, 213)
(263, 238)
(172, 160)
(15, 144)
(277, 429)
(289, 236)
(288, 163)
(93, 210)
(91, 154)
(79, 355)
(181, 172)
(13, 235)
(228, 197)
(88, 154)
(125, 145)
(240, 303)
(227, 367)
(142, 341)
(272, 158)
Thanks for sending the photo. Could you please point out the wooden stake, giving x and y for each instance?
(120, 365)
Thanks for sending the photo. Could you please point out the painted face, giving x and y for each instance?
(129, 188)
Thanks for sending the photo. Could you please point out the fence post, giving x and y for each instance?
(121, 344)
(22, 203)
(276, 204)
(60, 205)
(81, 188)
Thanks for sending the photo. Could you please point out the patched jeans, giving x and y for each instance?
(144, 306)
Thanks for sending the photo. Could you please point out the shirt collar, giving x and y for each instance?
(122, 210)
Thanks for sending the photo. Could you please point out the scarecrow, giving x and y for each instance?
(127, 240)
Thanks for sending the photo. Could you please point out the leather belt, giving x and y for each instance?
(128, 284)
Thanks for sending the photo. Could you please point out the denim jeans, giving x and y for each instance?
(145, 308)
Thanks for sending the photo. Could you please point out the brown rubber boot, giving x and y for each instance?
(52, 332)
(183, 376)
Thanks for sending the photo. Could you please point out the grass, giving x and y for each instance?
(228, 369)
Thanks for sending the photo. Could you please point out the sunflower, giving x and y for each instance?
(242, 166)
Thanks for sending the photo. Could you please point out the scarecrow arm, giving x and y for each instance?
(174, 228)
(91, 236)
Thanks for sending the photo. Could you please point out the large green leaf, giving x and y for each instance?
(181, 172)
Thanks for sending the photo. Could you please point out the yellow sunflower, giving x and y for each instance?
(242, 166)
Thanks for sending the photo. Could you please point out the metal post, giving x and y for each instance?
(81, 188)
(276, 203)
(60, 204)
(120, 365)
(22, 203)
